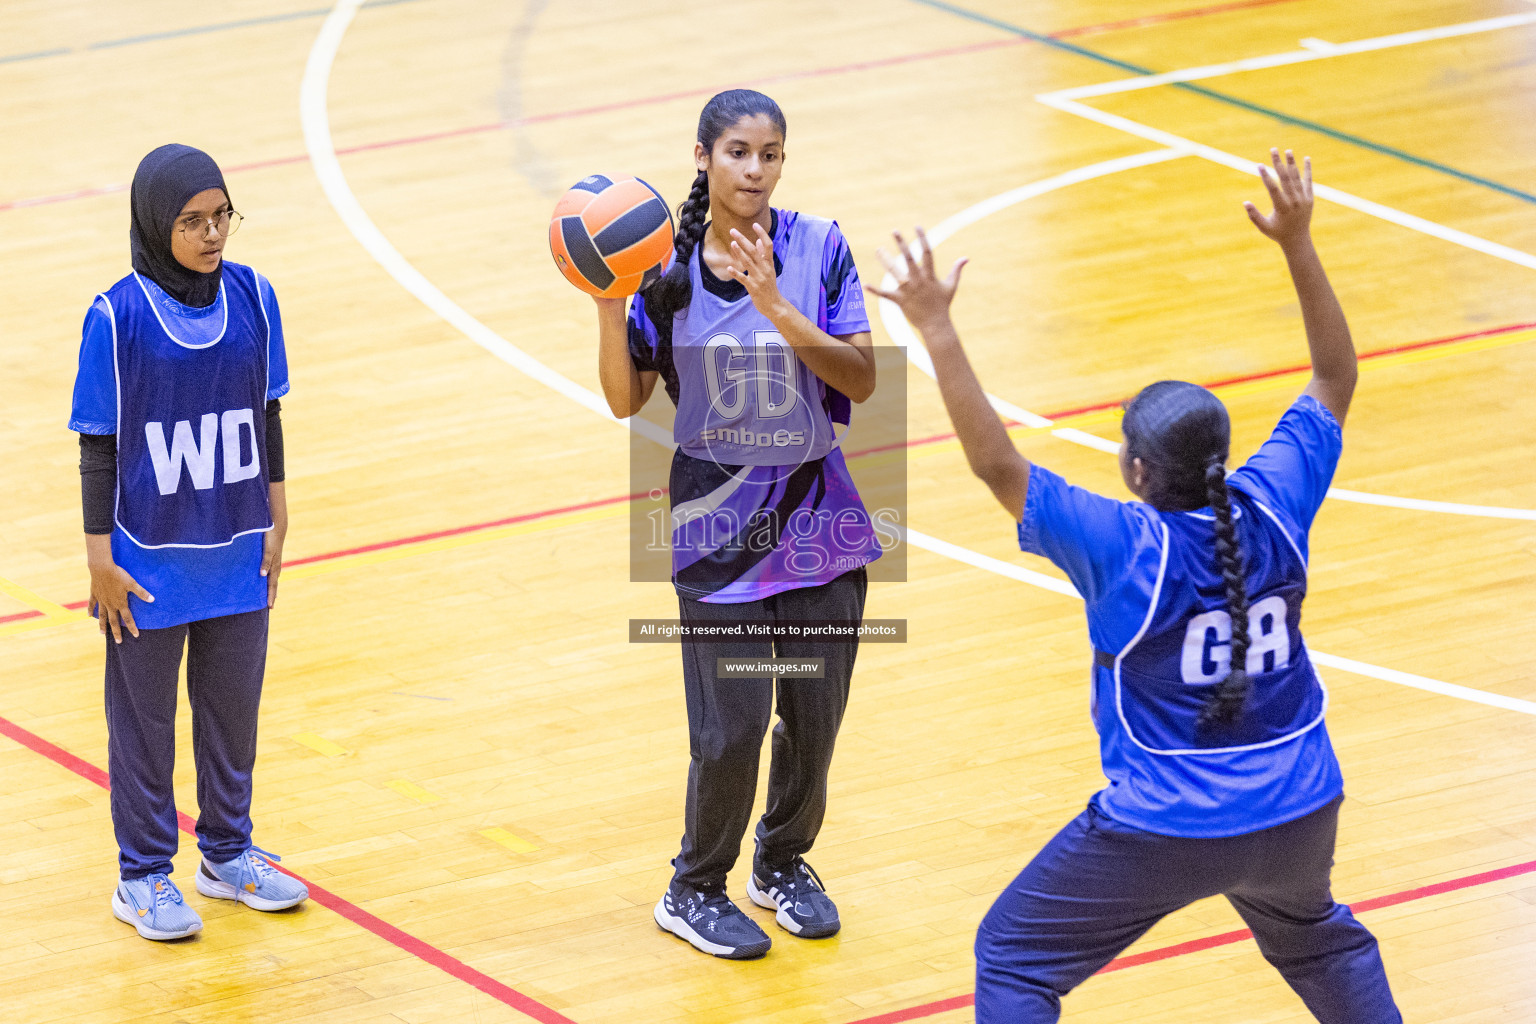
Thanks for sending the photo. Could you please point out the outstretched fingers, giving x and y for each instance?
(892, 267)
(953, 280)
(1272, 186)
(927, 250)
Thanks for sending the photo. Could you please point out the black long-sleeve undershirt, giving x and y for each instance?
(98, 470)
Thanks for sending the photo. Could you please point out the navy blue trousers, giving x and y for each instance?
(728, 717)
(1099, 885)
(226, 660)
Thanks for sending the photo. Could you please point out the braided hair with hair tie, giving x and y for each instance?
(673, 290)
(671, 293)
(1232, 693)
(1182, 434)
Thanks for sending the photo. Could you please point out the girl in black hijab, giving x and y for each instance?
(182, 364)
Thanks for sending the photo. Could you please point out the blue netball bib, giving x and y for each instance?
(1167, 675)
(191, 437)
(1158, 618)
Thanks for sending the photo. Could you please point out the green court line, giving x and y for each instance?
(1270, 112)
(193, 30)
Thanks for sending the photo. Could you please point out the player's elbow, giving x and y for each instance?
(622, 406)
(861, 392)
(995, 470)
(862, 386)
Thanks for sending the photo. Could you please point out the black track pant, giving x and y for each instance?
(727, 718)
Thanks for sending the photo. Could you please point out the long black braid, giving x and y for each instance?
(1232, 694)
(1182, 435)
(672, 291)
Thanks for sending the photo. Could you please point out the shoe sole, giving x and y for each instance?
(782, 916)
(222, 890)
(125, 914)
(680, 928)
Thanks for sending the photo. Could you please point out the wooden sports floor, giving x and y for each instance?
(478, 774)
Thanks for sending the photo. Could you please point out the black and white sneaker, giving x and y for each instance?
(796, 892)
(711, 923)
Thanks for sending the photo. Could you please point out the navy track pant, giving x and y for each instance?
(1099, 885)
(728, 717)
(226, 659)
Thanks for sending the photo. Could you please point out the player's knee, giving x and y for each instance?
(730, 748)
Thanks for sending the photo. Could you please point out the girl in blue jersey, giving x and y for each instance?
(759, 333)
(176, 403)
(1210, 716)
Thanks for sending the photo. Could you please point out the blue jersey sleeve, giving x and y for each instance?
(842, 293)
(94, 408)
(277, 352)
(642, 336)
(1093, 539)
(1291, 471)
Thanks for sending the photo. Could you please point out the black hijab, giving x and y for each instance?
(165, 180)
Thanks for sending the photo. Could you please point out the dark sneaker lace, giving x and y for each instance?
(717, 903)
(796, 878)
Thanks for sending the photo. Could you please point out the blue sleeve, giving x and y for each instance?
(94, 408)
(1093, 539)
(277, 352)
(842, 294)
(1291, 471)
(642, 336)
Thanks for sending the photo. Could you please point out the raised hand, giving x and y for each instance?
(924, 298)
(752, 265)
(1290, 191)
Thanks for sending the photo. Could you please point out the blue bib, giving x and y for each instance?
(191, 418)
(1172, 669)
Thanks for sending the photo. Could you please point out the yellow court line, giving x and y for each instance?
(35, 601)
(1253, 387)
(502, 837)
(320, 745)
(413, 791)
(57, 616)
(47, 622)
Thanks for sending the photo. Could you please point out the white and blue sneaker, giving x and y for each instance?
(153, 905)
(795, 891)
(251, 880)
(710, 922)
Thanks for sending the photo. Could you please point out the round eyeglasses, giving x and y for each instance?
(195, 227)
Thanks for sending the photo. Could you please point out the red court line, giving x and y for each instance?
(352, 912)
(457, 530)
(1223, 939)
(503, 993)
(1361, 357)
(1161, 19)
(913, 443)
(839, 69)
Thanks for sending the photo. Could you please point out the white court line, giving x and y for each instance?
(316, 123)
(1342, 198)
(987, 563)
(1308, 53)
(898, 328)
(1419, 504)
(1389, 675)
